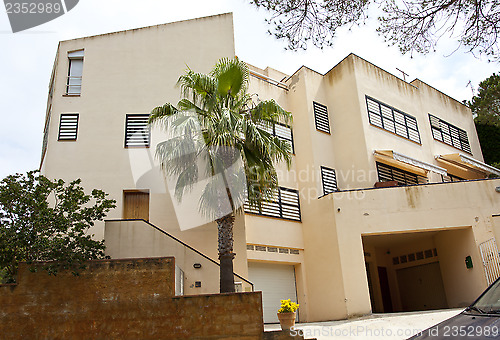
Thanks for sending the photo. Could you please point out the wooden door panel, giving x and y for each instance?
(136, 205)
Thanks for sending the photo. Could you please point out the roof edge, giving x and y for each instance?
(435, 89)
(148, 27)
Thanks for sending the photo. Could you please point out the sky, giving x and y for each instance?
(27, 57)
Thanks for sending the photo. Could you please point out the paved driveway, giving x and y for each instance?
(376, 326)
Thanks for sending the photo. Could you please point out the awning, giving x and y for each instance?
(412, 164)
(468, 163)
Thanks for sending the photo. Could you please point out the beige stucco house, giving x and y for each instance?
(387, 206)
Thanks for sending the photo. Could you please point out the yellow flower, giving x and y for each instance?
(287, 306)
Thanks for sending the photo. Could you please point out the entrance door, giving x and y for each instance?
(385, 290)
(421, 287)
(277, 282)
(136, 205)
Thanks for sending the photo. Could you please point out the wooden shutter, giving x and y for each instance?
(136, 205)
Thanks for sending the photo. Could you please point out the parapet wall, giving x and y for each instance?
(122, 299)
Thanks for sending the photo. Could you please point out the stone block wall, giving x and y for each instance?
(122, 299)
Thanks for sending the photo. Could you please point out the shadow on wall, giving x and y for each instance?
(196, 273)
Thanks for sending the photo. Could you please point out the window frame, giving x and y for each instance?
(280, 204)
(66, 136)
(283, 138)
(460, 133)
(273, 133)
(128, 118)
(451, 178)
(321, 117)
(73, 56)
(392, 118)
(417, 179)
(324, 171)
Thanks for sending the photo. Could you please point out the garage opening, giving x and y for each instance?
(277, 282)
(422, 270)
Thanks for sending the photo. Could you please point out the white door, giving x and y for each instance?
(179, 281)
(277, 282)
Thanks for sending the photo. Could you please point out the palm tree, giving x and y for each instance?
(218, 124)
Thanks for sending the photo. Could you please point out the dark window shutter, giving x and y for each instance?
(392, 120)
(329, 180)
(388, 173)
(321, 117)
(68, 126)
(284, 204)
(449, 134)
(137, 133)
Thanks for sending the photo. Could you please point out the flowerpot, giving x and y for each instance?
(287, 320)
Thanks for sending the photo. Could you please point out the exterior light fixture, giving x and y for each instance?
(497, 189)
(197, 265)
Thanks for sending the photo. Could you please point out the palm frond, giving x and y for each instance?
(232, 77)
(186, 180)
(160, 113)
(217, 124)
(187, 105)
(270, 111)
(200, 87)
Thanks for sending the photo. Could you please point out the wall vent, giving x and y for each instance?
(417, 256)
(278, 250)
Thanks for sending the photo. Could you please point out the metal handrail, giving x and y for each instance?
(176, 239)
(269, 80)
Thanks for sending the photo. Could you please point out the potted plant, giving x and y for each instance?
(286, 314)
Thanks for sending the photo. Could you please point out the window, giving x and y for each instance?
(451, 178)
(74, 83)
(284, 204)
(136, 205)
(137, 131)
(449, 134)
(321, 117)
(329, 180)
(281, 131)
(393, 120)
(388, 173)
(68, 126)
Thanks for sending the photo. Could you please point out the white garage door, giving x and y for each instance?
(277, 282)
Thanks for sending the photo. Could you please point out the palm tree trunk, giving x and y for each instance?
(226, 255)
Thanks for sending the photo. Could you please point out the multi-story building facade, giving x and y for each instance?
(387, 195)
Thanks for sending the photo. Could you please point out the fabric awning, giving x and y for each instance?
(393, 158)
(468, 163)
